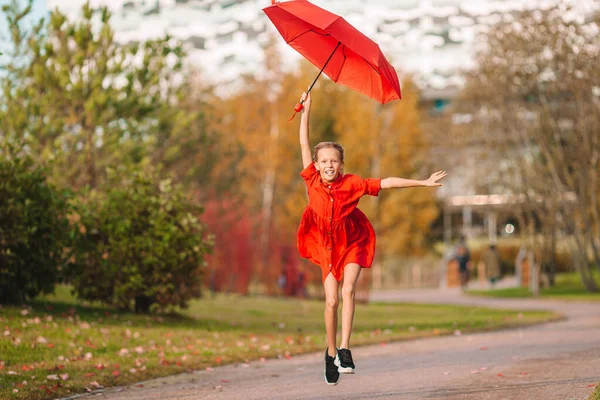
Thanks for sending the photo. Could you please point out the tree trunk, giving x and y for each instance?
(581, 264)
(552, 257)
(268, 193)
(143, 303)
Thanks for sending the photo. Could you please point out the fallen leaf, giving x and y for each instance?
(500, 374)
(483, 348)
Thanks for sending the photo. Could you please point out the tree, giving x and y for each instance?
(83, 102)
(34, 230)
(255, 121)
(535, 97)
(392, 133)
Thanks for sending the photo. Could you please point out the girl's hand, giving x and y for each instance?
(434, 178)
(307, 101)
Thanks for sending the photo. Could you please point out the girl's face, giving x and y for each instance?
(329, 164)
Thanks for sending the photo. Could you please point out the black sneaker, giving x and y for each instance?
(346, 363)
(332, 376)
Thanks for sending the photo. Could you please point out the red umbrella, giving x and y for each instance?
(335, 47)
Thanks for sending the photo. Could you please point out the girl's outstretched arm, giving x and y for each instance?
(304, 143)
(389, 183)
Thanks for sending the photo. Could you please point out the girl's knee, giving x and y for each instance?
(331, 303)
(348, 291)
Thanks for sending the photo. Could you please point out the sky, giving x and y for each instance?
(38, 11)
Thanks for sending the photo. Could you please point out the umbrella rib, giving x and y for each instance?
(329, 34)
(342, 67)
(310, 30)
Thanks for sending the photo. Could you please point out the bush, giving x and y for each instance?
(34, 230)
(140, 245)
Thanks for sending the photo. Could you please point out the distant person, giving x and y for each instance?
(337, 236)
(492, 264)
(463, 258)
(301, 286)
(282, 280)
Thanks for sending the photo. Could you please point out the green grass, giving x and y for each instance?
(568, 287)
(595, 394)
(58, 347)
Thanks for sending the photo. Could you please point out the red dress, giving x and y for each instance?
(333, 232)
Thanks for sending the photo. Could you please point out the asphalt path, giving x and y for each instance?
(558, 360)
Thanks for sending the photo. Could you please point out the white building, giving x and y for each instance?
(431, 39)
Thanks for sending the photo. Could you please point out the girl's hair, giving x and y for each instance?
(328, 145)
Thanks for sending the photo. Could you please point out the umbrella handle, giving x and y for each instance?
(297, 109)
(299, 106)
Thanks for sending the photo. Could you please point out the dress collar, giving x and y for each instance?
(332, 184)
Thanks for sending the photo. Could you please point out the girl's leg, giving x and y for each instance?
(351, 274)
(331, 286)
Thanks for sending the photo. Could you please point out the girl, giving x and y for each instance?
(337, 236)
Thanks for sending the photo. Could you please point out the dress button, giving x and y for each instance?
(330, 265)
(329, 248)
(330, 218)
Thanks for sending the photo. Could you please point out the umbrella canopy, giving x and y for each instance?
(337, 48)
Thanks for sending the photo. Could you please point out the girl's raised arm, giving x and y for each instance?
(389, 183)
(304, 143)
